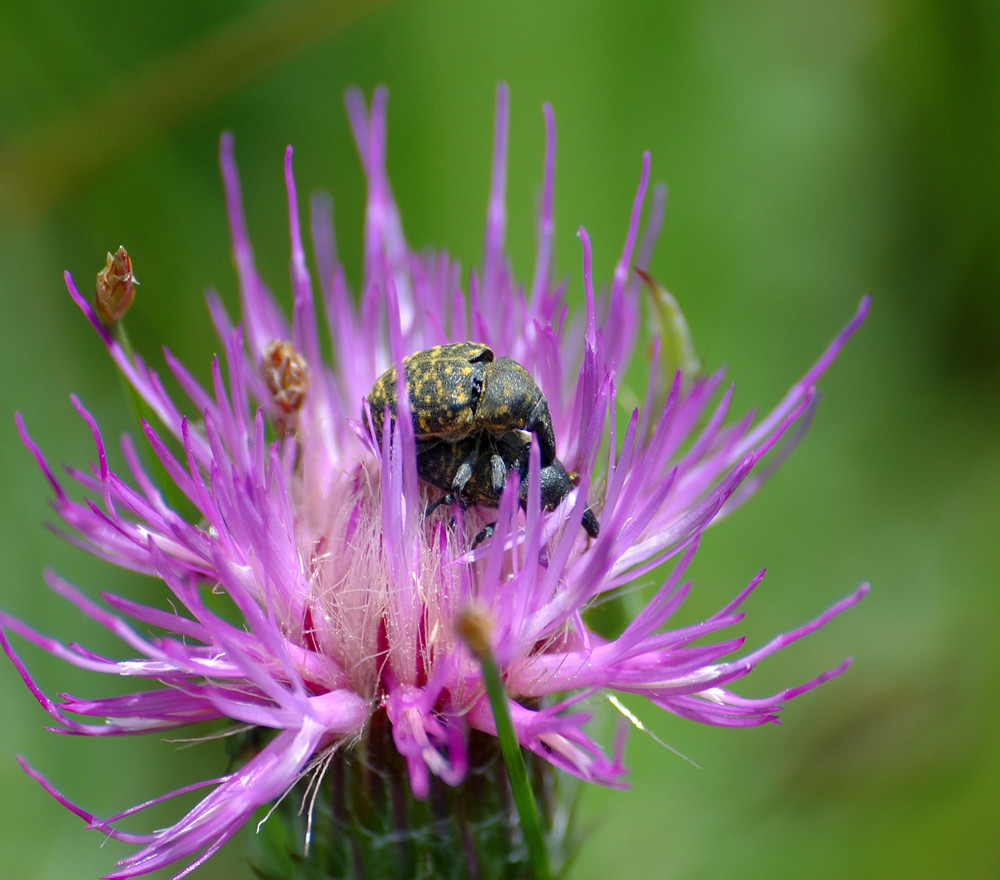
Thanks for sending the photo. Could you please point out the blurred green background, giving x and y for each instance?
(814, 152)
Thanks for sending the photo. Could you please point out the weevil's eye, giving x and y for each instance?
(574, 477)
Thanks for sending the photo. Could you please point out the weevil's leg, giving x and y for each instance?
(464, 471)
(485, 533)
(510, 453)
(449, 498)
(590, 524)
(540, 424)
(498, 472)
(498, 479)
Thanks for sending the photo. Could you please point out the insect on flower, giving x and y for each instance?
(474, 416)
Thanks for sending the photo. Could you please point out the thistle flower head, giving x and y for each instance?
(348, 602)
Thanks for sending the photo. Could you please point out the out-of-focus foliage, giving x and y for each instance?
(814, 152)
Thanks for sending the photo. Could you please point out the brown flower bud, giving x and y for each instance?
(475, 626)
(115, 288)
(286, 375)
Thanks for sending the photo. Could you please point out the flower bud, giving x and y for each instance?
(286, 375)
(475, 626)
(115, 288)
(667, 322)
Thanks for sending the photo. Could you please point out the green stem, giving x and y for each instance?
(517, 770)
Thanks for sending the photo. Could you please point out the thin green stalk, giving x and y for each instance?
(517, 771)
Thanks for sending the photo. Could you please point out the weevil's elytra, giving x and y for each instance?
(474, 417)
(444, 383)
(510, 399)
(460, 389)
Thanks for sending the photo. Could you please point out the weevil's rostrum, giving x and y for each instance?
(474, 417)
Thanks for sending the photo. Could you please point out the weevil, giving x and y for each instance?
(461, 389)
(474, 417)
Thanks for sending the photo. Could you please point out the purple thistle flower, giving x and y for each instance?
(347, 596)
